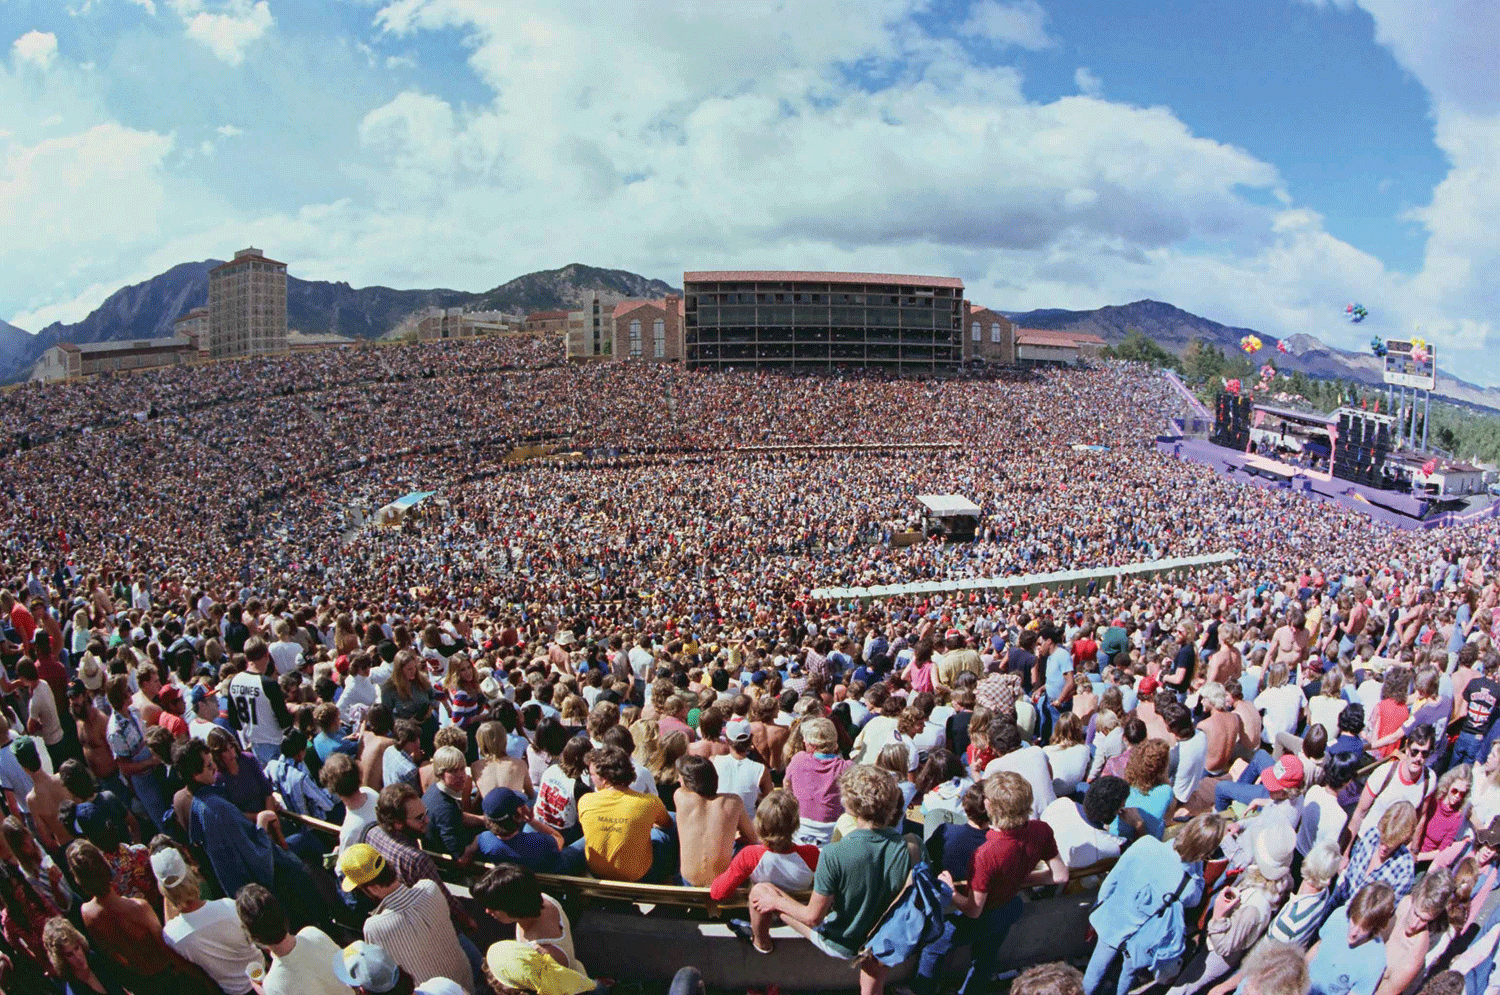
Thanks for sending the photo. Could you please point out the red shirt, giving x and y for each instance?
(1007, 857)
(25, 624)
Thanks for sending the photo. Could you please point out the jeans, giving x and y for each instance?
(985, 935)
(476, 960)
(1247, 787)
(1466, 750)
(1099, 963)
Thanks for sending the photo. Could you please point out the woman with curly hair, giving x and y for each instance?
(1150, 790)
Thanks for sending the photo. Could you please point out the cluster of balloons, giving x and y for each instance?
(1281, 346)
(1233, 386)
(1356, 313)
(1377, 346)
(1251, 344)
(1419, 351)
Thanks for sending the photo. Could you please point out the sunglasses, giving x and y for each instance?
(1417, 751)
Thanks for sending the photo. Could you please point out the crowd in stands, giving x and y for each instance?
(1281, 773)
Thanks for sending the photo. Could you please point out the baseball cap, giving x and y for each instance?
(169, 695)
(439, 986)
(737, 730)
(197, 693)
(169, 867)
(1285, 774)
(75, 687)
(89, 819)
(366, 965)
(360, 864)
(502, 803)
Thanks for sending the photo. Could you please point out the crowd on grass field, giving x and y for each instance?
(1281, 773)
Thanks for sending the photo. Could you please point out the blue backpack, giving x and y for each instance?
(913, 920)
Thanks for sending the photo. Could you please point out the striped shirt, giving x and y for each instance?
(1300, 917)
(412, 865)
(413, 925)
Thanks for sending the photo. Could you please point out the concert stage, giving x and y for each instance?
(1392, 508)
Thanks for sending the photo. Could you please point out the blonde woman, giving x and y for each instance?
(408, 694)
(345, 639)
(646, 734)
(662, 764)
(495, 768)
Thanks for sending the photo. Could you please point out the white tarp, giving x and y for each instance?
(1066, 579)
(948, 505)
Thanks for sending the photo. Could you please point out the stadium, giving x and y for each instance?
(451, 644)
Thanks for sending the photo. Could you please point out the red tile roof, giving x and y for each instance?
(625, 307)
(1065, 340)
(807, 276)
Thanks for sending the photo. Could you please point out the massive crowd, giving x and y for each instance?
(608, 662)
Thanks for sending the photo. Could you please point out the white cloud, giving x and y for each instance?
(38, 48)
(1022, 23)
(229, 130)
(230, 33)
(400, 62)
(1088, 84)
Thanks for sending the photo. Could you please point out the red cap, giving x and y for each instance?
(1285, 774)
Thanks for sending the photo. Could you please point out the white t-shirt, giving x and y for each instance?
(640, 661)
(1070, 764)
(1078, 843)
(356, 819)
(285, 658)
(1192, 755)
(740, 776)
(1282, 706)
(1388, 786)
(1323, 819)
(307, 969)
(1031, 763)
(213, 938)
(1325, 711)
(44, 710)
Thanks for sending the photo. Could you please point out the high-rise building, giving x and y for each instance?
(905, 324)
(247, 307)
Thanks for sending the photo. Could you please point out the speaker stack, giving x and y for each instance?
(1231, 421)
(1363, 447)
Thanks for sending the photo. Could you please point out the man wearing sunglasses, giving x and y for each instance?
(1404, 777)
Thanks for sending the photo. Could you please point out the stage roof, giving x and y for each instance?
(948, 505)
(1292, 414)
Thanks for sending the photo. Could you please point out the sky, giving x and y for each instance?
(1261, 163)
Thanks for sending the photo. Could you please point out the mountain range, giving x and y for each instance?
(1174, 329)
(148, 309)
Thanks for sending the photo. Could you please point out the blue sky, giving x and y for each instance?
(1257, 163)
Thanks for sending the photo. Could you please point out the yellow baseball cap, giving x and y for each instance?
(360, 864)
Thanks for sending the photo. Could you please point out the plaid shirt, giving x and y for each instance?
(999, 692)
(412, 865)
(1400, 871)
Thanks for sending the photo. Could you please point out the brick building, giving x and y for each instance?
(247, 307)
(989, 336)
(648, 331)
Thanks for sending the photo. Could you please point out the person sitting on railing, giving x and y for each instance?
(511, 895)
(626, 833)
(856, 880)
(989, 903)
(708, 822)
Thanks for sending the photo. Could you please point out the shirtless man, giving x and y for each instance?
(374, 740)
(43, 800)
(707, 822)
(1226, 664)
(710, 742)
(127, 931)
(768, 737)
(1289, 642)
(93, 725)
(144, 700)
(1222, 727)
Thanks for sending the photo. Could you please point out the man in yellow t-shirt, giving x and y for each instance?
(626, 834)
